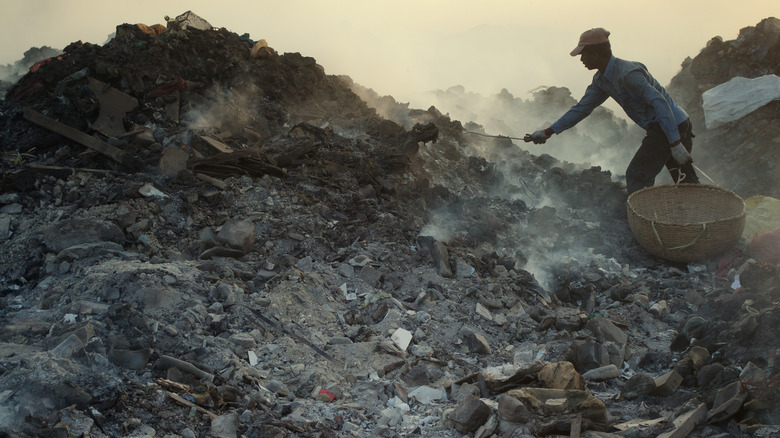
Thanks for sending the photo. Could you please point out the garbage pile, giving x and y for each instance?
(204, 237)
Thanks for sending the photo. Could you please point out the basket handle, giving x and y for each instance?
(702, 172)
(681, 247)
(681, 175)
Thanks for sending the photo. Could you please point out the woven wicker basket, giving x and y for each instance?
(686, 222)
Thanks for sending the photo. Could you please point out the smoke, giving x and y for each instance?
(603, 139)
(221, 109)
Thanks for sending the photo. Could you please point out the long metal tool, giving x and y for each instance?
(279, 327)
(526, 139)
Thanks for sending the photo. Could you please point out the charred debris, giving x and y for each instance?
(203, 237)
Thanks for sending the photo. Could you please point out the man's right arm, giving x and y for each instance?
(592, 98)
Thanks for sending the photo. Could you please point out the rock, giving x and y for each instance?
(97, 249)
(512, 409)
(73, 232)
(5, 227)
(588, 355)
(488, 429)
(225, 426)
(244, 340)
(470, 414)
(751, 374)
(11, 209)
(561, 375)
(421, 374)
(606, 330)
(463, 269)
(78, 422)
(638, 385)
(695, 327)
(659, 309)
(667, 384)
(708, 373)
(603, 373)
(484, 312)
(441, 259)
(346, 270)
(421, 351)
(727, 403)
(370, 275)
(475, 342)
(237, 234)
(130, 359)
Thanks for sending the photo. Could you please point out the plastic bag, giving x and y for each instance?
(762, 215)
(766, 247)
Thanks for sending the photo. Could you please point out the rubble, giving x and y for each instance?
(204, 237)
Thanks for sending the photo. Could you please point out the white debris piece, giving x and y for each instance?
(150, 190)
(426, 394)
(737, 98)
(402, 338)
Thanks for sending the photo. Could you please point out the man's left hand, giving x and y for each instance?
(681, 155)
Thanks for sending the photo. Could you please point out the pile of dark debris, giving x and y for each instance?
(202, 237)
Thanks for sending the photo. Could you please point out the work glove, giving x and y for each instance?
(681, 155)
(539, 137)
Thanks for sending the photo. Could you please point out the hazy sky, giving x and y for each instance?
(405, 47)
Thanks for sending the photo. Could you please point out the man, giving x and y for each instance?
(669, 138)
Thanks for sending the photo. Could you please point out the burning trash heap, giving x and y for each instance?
(204, 237)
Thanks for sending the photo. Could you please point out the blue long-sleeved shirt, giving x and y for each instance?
(644, 100)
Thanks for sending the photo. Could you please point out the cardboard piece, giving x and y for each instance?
(114, 105)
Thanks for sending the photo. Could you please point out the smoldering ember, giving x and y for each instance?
(202, 237)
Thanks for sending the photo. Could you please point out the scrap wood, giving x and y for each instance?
(83, 138)
(216, 144)
(637, 422)
(302, 148)
(170, 384)
(136, 130)
(576, 427)
(298, 338)
(218, 183)
(186, 402)
(244, 162)
(60, 171)
(256, 136)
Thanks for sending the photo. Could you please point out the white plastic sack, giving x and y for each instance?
(737, 98)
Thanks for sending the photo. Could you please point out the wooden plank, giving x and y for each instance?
(82, 138)
(216, 144)
(576, 427)
(186, 402)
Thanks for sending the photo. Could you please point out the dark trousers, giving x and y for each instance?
(654, 154)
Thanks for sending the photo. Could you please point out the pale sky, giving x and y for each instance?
(407, 47)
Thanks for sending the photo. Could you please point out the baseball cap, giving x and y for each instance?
(589, 37)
